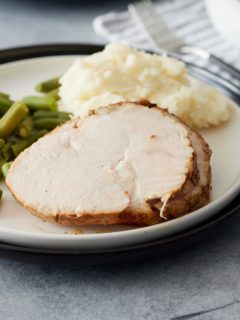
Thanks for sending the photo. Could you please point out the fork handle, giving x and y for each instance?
(224, 66)
(211, 58)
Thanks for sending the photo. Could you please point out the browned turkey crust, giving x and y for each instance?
(191, 196)
(125, 217)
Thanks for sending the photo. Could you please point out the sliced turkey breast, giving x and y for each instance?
(126, 163)
(196, 191)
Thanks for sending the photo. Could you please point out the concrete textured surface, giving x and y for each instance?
(201, 282)
(24, 22)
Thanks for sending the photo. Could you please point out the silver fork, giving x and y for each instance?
(166, 42)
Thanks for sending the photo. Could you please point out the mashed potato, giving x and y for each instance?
(120, 73)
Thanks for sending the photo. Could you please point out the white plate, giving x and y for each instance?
(19, 227)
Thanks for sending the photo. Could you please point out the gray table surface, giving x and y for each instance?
(202, 282)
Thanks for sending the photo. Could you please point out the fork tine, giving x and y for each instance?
(138, 13)
(158, 32)
(149, 5)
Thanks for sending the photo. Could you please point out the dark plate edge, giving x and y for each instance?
(43, 50)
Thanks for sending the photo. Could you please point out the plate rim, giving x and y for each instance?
(205, 226)
(234, 191)
(47, 50)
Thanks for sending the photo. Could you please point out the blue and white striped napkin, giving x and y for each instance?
(188, 19)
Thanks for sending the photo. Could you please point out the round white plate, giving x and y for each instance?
(19, 227)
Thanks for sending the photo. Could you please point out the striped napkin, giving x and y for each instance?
(188, 19)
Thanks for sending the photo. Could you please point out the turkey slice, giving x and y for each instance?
(106, 168)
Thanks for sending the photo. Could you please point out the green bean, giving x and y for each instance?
(54, 94)
(48, 85)
(1, 193)
(5, 95)
(12, 139)
(47, 123)
(25, 143)
(6, 98)
(36, 103)
(2, 161)
(5, 104)
(7, 152)
(2, 143)
(25, 128)
(50, 114)
(3, 110)
(6, 167)
(12, 118)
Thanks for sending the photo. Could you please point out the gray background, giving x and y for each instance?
(202, 282)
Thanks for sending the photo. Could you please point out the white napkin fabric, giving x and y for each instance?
(187, 18)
